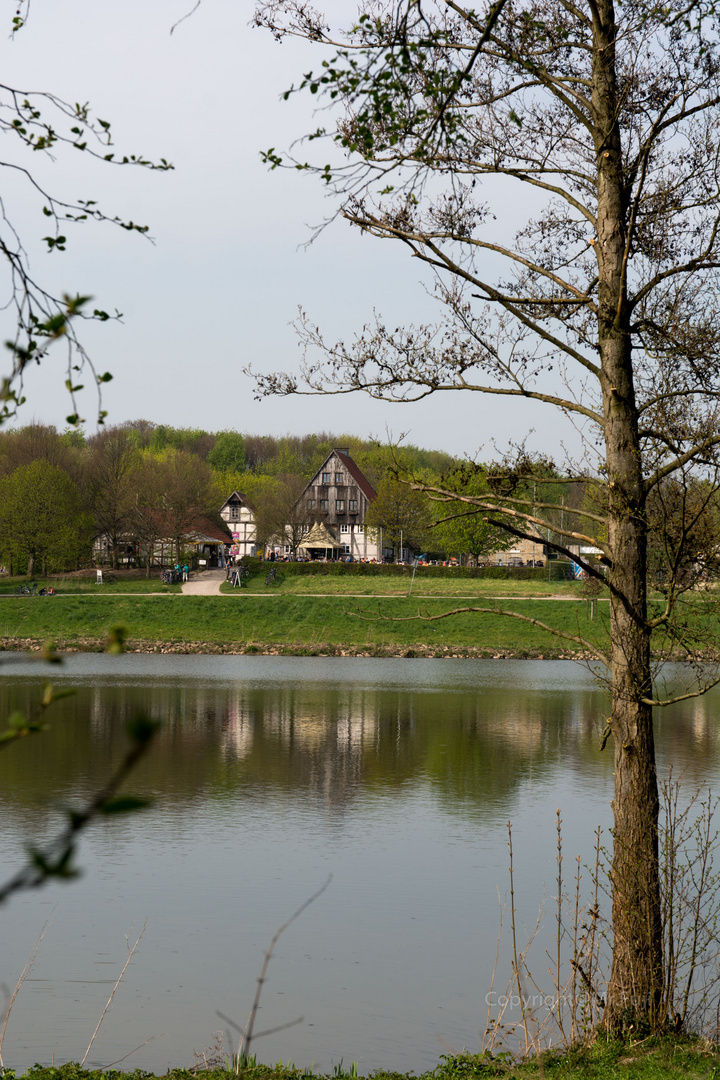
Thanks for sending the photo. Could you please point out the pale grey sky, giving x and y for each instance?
(228, 269)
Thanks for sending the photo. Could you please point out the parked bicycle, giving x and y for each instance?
(31, 589)
(275, 577)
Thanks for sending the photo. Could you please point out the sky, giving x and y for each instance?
(229, 265)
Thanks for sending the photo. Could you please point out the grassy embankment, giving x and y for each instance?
(285, 620)
(649, 1059)
(313, 615)
(86, 584)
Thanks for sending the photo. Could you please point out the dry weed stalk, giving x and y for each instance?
(247, 1034)
(211, 1057)
(117, 1061)
(23, 976)
(131, 953)
(573, 1007)
(690, 889)
(580, 957)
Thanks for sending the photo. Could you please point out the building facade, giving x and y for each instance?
(239, 514)
(338, 497)
(523, 552)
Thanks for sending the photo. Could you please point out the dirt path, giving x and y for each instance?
(206, 583)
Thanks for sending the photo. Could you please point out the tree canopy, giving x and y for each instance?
(600, 124)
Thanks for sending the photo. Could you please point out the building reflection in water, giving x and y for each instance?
(336, 742)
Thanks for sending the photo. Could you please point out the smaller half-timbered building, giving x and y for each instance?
(239, 515)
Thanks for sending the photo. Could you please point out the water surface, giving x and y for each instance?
(396, 777)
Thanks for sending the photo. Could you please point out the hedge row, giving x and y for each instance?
(559, 571)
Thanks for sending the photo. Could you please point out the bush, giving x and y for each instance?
(559, 571)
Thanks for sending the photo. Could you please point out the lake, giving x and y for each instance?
(396, 777)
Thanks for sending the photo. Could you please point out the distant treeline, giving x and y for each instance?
(266, 455)
(61, 490)
(146, 482)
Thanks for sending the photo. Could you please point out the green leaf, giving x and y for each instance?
(142, 729)
(116, 639)
(125, 804)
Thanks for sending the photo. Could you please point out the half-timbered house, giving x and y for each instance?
(239, 515)
(338, 497)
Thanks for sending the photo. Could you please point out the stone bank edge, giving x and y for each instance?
(237, 648)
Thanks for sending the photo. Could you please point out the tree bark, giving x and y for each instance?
(635, 988)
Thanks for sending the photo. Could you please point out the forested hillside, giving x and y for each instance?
(58, 490)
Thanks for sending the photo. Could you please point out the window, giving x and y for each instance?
(311, 504)
(234, 513)
(339, 479)
(352, 506)
(339, 506)
(326, 478)
(346, 549)
(323, 504)
(344, 528)
(359, 528)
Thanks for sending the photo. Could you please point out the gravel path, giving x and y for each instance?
(205, 583)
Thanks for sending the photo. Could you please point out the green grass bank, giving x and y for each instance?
(305, 625)
(325, 614)
(667, 1059)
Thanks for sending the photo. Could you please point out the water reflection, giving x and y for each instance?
(396, 776)
(332, 742)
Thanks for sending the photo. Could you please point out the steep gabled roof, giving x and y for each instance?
(237, 496)
(358, 476)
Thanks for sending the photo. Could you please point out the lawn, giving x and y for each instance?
(308, 615)
(113, 584)
(297, 622)
(301, 585)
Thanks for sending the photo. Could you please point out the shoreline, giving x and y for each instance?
(236, 648)
(380, 652)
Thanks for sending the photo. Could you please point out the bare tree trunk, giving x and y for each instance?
(30, 565)
(636, 981)
(635, 988)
